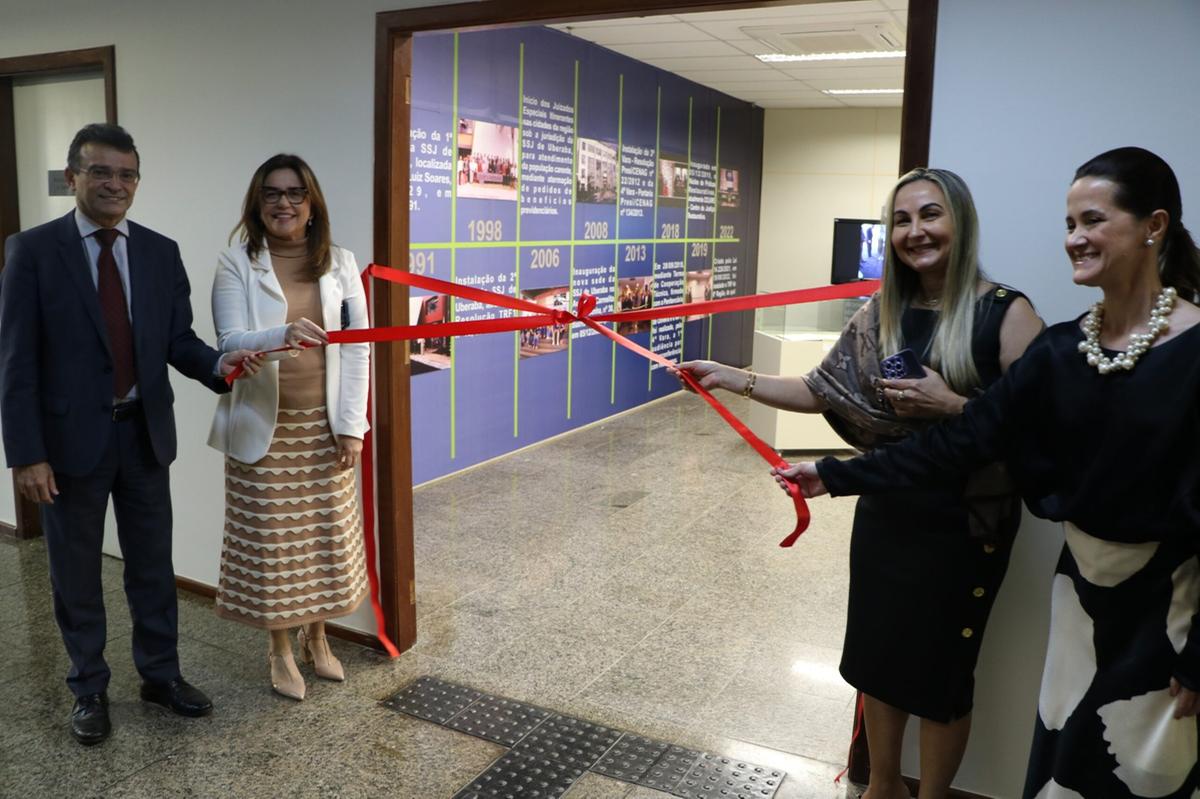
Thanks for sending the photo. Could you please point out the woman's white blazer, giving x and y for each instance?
(250, 312)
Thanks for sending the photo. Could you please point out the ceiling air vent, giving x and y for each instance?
(802, 39)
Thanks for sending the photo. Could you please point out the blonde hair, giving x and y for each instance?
(950, 351)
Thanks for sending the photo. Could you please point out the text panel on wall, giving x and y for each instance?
(544, 167)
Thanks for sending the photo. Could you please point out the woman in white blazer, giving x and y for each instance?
(292, 550)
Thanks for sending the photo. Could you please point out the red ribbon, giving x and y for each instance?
(368, 515)
(537, 316)
(534, 315)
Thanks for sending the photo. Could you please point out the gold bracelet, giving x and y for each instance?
(749, 389)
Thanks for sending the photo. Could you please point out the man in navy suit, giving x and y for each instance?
(92, 310)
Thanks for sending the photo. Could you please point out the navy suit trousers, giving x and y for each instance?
(139, 486)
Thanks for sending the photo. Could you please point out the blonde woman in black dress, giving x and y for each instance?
(922, 576)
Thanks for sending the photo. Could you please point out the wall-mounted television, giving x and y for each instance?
(858, 249)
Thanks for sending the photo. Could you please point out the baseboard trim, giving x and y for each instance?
(196, 587)
(336, 630)
(354, 636)
(9, 530)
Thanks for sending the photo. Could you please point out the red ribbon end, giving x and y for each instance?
(803, 517)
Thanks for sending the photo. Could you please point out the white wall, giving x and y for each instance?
(209, 91)
(819, 164)
(1024, 92)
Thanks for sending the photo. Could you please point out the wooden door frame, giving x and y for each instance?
(393, 74)
(28, 66)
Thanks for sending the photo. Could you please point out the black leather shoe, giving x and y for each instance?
(179, 696)
(89, 719)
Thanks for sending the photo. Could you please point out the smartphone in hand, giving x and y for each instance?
(903, 364)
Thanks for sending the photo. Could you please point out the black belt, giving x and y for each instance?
(126, 410)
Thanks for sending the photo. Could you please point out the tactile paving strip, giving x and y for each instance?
(630, 757)
(495, 718)
(515, 775)
(568, 740)
(717, 776)
(551, 751)
(670, 768)
(432, 699)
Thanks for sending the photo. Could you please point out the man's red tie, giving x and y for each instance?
(116, 314)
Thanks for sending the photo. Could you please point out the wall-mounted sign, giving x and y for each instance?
(56, 180)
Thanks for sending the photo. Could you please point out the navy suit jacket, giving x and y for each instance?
(56, 383)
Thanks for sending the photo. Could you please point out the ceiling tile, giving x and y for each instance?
(674, 49)
(800, 11)
(610, 23)
(733, 27)
(758, 75)
(735, 86)
(873, 101)
(747, 46)
(645, 33)
(858, 83)
(811, 102)
(683, 63)
(794, 91)
(820, 71)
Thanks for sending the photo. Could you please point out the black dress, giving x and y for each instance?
(930, 586)
(1114, 457)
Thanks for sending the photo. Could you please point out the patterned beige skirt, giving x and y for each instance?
(292, 552)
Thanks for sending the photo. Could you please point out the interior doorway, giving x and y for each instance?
(393, 81)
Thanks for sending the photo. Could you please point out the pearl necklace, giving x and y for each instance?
(1138, 342)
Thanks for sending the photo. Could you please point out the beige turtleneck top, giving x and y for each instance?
(301, 377)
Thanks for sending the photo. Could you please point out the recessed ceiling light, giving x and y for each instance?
(862, 91)
(770, 58)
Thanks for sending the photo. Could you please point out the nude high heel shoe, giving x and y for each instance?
(315, 650)
(285, 677)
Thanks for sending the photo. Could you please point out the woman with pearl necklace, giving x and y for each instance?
(1098, 423)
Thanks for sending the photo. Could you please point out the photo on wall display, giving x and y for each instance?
(429, 354)
(547, 338)
(672, 177)
(634, 294)
(872, 238)
(596, 174)
(486, 167)
(698, 289)
(727, 188)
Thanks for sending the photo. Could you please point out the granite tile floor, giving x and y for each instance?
(627, 574)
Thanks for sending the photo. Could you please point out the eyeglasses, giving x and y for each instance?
(295, 195)
(103, 174)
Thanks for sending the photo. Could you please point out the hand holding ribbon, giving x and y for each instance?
(238, 362)
(251, 362)
(804, 475)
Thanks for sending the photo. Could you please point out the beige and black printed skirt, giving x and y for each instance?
(292, 552)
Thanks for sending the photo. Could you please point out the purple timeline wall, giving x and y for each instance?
(543, 166)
